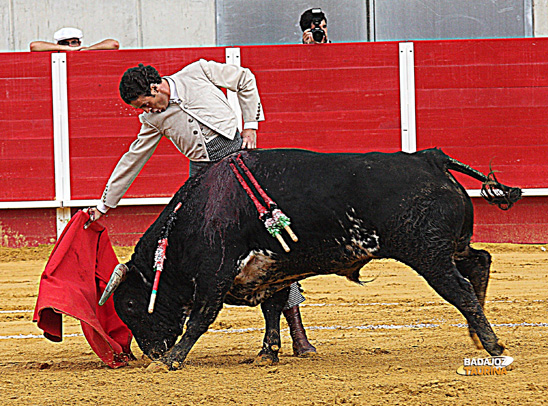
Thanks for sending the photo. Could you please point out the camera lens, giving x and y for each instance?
(318, 34)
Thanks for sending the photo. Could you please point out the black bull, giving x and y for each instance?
(346, 210)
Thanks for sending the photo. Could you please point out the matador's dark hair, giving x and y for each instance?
(136, 82)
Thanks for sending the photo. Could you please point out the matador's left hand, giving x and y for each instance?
(249, 139)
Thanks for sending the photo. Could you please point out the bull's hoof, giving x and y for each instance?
(265, 360)
(501, 343)
(502, 348)
(476, 341)
(172, 363)
(506, 353)
(175, 365)
(306, 354)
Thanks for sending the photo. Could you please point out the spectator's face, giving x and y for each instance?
(71, 42)
(323, 26)
(156, 103)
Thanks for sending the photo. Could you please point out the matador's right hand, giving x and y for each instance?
(94, 215)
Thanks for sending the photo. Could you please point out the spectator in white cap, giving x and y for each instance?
(70, 39)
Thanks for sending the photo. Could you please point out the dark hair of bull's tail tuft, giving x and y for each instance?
(491, 190)
(497, 193)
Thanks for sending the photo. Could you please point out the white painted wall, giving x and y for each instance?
(134, 23)
(540, 19)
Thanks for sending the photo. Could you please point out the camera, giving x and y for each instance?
(317, 33)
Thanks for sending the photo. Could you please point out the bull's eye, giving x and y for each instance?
(130, 304)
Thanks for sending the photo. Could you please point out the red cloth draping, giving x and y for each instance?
(72, 283)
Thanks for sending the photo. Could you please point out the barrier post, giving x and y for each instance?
(407, 97)
(60, 137)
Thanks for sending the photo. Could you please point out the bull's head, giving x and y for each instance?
(155, 332)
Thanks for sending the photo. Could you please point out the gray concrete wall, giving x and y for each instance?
(134, 23)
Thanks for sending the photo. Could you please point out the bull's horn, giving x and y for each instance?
(118, 275)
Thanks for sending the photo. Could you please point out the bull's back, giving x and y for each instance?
(368, 180)
(324, 194)
(320, 190)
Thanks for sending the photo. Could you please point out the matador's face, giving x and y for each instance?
(156, 103)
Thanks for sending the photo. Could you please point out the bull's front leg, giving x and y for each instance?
(208, 302)
(272, 310)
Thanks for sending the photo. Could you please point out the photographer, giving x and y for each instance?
(314, 26)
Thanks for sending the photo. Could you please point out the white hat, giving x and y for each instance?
(66, 33)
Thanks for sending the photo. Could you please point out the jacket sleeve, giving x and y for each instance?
(239, 80)
(131, 163)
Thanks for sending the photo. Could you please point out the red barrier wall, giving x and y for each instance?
(486, 101)
(479, 100)
(27, 227)
(26, 128)
(524, 223)
(341, 98)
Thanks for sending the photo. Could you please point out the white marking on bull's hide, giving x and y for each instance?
(255, 264)
(370, 243)
(351, 214)
(243, 262)
(193, 280)
(358, 235)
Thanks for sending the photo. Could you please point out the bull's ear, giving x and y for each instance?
(118, 275)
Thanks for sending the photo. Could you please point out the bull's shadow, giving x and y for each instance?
(346, 209)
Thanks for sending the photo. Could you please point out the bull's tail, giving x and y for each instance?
(491, 189)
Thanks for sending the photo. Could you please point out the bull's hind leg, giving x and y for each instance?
(475, 265)
(272, 310)
(442, 275)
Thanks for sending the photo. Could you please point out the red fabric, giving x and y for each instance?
(72, 283)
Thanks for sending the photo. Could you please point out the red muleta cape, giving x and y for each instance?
(75, 276)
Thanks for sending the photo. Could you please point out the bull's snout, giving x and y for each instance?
(159, 350)
(155, 355)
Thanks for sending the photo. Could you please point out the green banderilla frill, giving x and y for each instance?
(278, 221)
(273, 218)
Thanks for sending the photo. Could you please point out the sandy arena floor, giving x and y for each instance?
(391, 342)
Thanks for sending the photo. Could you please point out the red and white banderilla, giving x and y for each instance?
(274, 219)
(160, 256)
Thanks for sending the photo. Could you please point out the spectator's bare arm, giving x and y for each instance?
(41, 46)
(103, 45)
